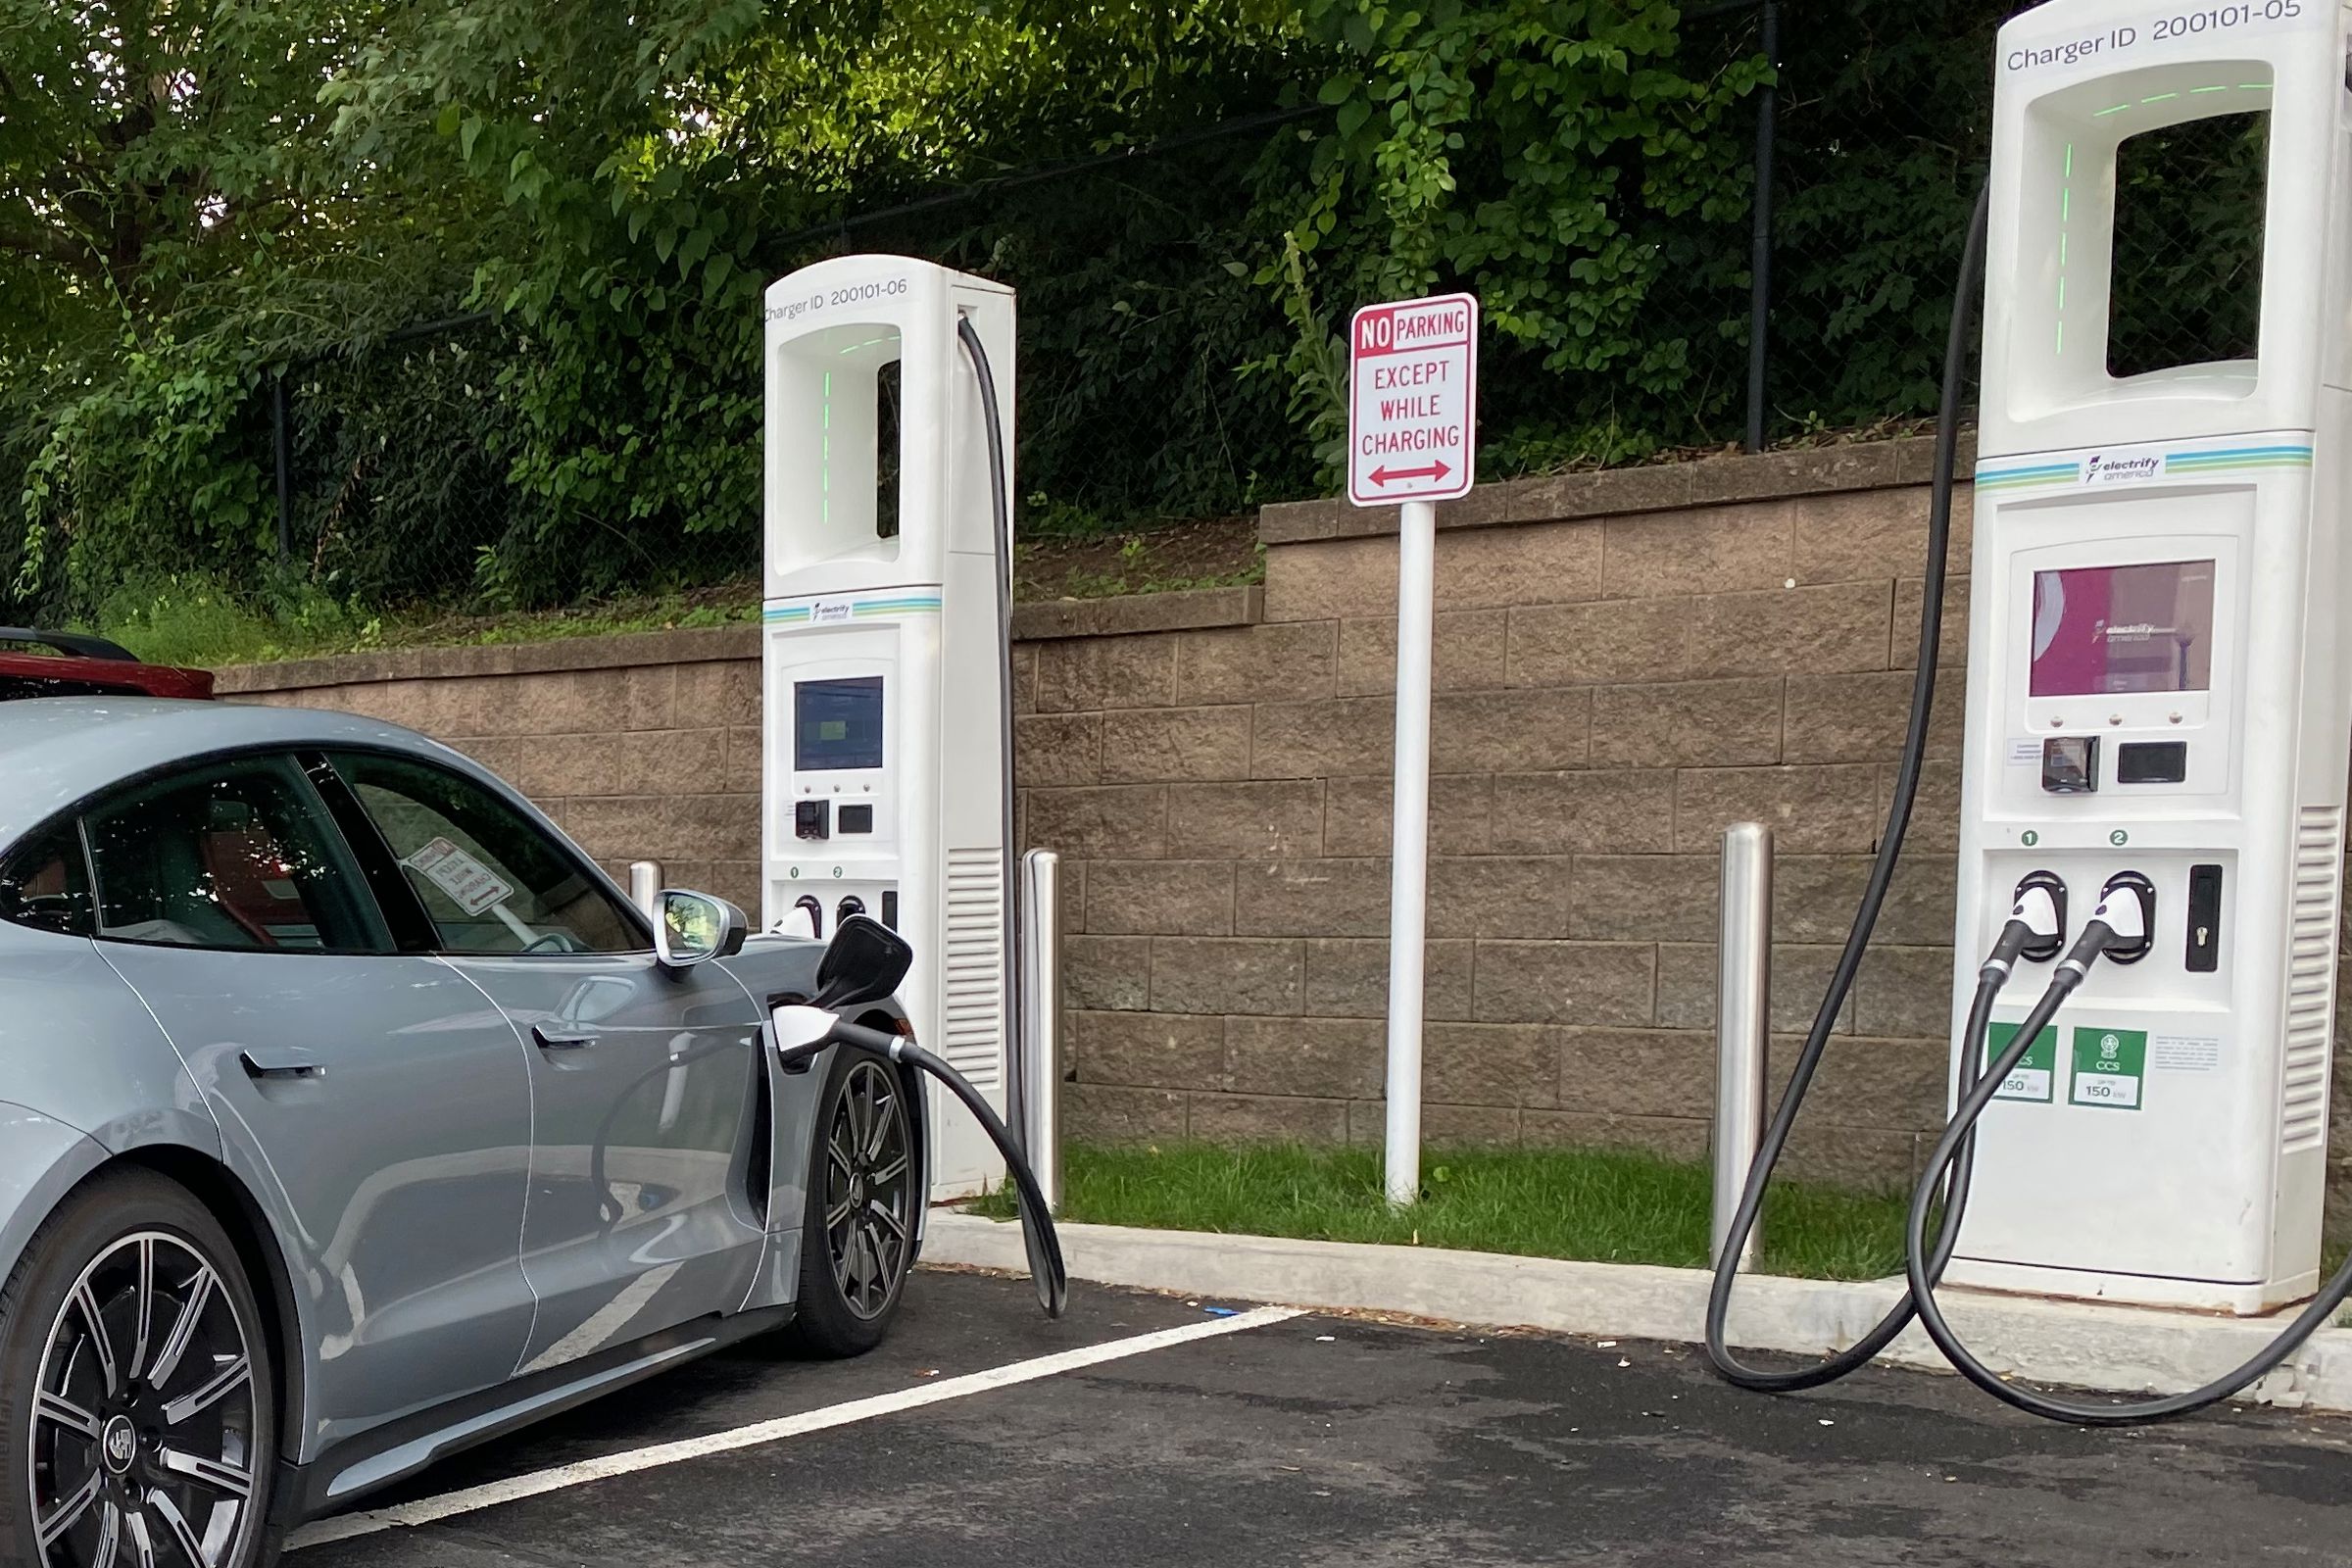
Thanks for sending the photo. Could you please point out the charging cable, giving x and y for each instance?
(805, 1030)
(1874, 894)
(1000, 505)
(2118, 927)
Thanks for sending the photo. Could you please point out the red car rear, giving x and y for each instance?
(62, 663)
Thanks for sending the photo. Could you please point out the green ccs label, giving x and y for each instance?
(2109, 1064)
(2030, 1078)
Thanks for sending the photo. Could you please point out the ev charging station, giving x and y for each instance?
(2158, 700)
(885, 688)
(2158, 722)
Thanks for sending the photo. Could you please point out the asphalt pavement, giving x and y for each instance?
(1339, 1443)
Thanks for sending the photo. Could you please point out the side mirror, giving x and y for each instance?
(864, 962)
(690, 928)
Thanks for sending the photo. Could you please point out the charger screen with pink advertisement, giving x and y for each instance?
(2100, 630)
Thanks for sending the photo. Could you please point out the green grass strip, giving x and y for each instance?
(1598, 1204)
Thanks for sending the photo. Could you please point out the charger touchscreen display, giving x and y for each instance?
(2111, 629)
(836, 724)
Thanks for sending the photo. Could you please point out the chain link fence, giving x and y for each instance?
(1883, 122)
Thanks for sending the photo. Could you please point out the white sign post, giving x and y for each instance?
(1412, 428)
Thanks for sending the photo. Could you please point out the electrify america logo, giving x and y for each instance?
(2102, 468)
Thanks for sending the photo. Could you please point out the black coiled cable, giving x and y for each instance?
(1874, 895)
(1952, 1151)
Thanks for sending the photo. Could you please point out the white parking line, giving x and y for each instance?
(539, 1481)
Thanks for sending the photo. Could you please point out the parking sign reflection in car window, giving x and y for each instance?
(490, 880)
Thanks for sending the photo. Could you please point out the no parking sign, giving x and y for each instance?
(1413, 400)
(1412, 431)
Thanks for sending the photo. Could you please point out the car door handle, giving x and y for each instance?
(547, 1039)
(268, 1066)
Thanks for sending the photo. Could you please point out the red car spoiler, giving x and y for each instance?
(80, 665)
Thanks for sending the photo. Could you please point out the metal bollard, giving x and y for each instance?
(645, 883)
(1037, 1066)
(1743, 1015)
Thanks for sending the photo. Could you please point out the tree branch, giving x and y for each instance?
(47, 245)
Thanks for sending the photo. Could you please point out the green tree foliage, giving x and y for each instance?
(1562, 158)
(174, 220)
(613, 186)
(202, 199)
(654, 163)
(1884, 130)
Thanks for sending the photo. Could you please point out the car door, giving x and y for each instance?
(376, 1102)
(643, 1078)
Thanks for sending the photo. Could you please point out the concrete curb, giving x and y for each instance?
(2121, 1349)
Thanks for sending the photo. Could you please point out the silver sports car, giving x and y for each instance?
(349, 1114)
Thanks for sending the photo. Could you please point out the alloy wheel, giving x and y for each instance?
(143, 1415)
(870, 1222)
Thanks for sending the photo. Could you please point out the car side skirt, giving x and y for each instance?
(349, 1471)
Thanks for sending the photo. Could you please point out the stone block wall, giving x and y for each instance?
(1626, 663)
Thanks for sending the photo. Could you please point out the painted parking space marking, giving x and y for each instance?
(538, 1483)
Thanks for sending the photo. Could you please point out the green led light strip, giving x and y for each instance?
(2166, 97)
(2066, 208)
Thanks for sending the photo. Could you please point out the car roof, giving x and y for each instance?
(56, 751)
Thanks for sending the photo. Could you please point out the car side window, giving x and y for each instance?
(491, 880)
(234, 854)
(45, 883)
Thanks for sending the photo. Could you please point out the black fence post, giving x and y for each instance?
(1759, 263)
(281, 439)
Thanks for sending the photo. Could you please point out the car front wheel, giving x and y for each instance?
(857, 1242)
(137, 1397)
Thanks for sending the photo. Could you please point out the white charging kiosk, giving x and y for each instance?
(2157, 677)
(883, 755)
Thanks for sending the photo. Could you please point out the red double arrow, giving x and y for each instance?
(1436, 470)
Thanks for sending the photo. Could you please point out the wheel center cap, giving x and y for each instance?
(119, 1442)
(856, 1188)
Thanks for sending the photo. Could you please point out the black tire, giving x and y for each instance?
(858, 1236)
(164, 1381)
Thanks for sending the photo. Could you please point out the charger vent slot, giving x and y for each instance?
(972, 975)
(2311, 977)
